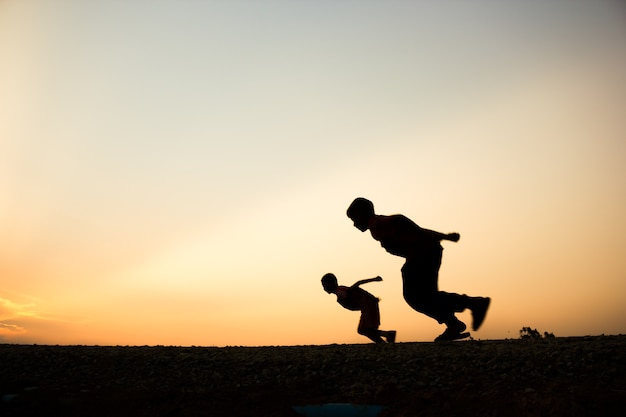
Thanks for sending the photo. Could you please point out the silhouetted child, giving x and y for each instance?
(357, 299)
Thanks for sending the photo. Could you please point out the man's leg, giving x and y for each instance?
(420, 290)
(457, 303)
(479, 307)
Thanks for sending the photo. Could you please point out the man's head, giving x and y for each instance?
(329, 282)
(360, 211)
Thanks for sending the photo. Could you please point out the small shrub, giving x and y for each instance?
(533, 334)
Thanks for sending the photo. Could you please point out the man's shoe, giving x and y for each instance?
(391, 336)
(448, 336)
(479, 311)
(453, 332)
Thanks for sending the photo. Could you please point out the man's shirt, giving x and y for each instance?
(400, 236)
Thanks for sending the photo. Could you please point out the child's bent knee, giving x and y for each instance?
(365, 331)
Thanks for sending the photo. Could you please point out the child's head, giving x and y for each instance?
(329, 282)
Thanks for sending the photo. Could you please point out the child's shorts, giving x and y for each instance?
(370, 315)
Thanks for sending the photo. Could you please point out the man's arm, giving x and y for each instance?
(405, 223)
(365, 281)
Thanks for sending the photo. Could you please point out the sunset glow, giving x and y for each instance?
(177, 173)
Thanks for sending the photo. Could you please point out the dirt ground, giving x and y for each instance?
(581, 376)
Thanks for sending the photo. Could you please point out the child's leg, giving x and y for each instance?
(372, 334)
(390, 335)
(370, 320)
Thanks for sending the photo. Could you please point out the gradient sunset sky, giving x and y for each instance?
(177, 172)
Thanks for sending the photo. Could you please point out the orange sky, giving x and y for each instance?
(178, 173)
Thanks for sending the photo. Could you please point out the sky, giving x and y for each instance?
(177, 172)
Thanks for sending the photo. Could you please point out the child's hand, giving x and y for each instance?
(378, 278)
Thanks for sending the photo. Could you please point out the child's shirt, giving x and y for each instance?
(353, 298)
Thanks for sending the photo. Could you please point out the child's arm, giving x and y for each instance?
(454, 237)
(365, 281)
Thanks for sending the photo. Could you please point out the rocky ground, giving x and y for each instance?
(583, 376)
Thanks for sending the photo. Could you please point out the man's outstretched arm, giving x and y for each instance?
(365, 281)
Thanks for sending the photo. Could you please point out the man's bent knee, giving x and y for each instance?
(426, 305)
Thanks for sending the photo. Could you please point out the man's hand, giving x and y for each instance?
(454, 237)
(378, 278)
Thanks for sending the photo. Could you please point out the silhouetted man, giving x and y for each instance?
(422, 250)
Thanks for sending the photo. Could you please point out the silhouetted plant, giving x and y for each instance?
(530, 333)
